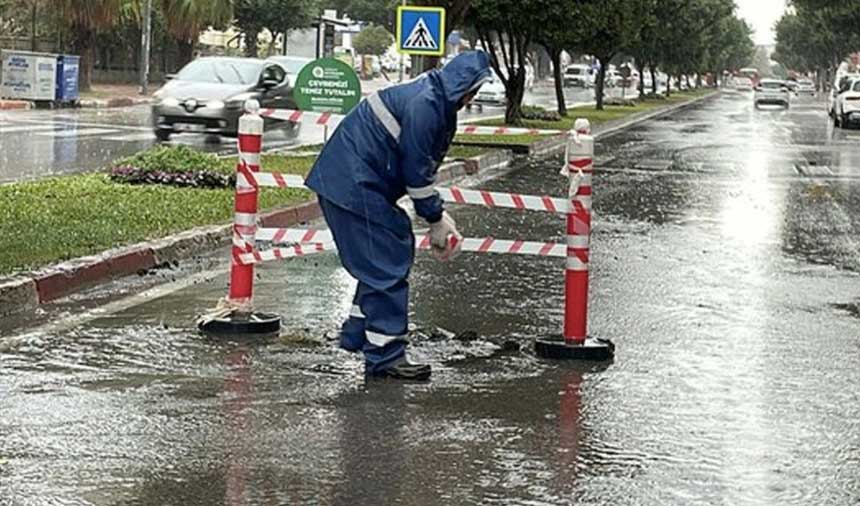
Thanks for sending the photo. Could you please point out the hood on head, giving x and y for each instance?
(462, 74)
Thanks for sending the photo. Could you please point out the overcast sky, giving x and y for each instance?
(761, 14)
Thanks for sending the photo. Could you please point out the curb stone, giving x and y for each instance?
(10, 105)
(17, 294)
(113, 102)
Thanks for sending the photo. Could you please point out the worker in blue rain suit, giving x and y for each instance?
(390, 146)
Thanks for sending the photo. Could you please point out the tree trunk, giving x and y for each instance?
(251, 43)
(641, 83)
(599, 84)
(33, 44)
(555, 55)
(653, 80)
(668, 85)
(84, 43)
(514, 93)
(185, 51)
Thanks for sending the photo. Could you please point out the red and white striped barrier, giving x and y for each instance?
(332, 120)
(490, 130)
(454, 195)
(580, 166)
(245, 217)
(319, 118)
(577, 208)
(318, 241)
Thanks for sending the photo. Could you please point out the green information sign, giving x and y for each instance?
(327, 85)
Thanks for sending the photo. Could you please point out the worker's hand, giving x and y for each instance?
(445, 240)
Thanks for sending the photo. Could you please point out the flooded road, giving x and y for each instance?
(724, 268)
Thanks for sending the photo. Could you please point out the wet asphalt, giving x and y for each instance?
(724, 268)
(54, 142)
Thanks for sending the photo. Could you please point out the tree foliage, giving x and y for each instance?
(373, 40)
(252, 17)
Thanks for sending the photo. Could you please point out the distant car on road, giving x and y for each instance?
(848, 104)
(743, 83)
(805, 87)
(492, 92)
(208, 95)
(578, 75)
(772, 92)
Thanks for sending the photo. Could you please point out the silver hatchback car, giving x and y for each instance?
(208, 95)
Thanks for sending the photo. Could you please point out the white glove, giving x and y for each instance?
(445, 240)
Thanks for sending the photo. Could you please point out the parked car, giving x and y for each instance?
(292, 64)
(772, 92)
(578, 75)
(848, 104)
(492, 92)
(841, 82)
(805, 87)
(208, 96)
(742, 83)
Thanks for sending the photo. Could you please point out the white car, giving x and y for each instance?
(579, 75)
(743, 83)
(848, 104)
(842, 81)
(772, 92)
(492, 92)
(805, 87)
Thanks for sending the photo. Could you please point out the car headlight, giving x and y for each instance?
(170, 102)
(215, 104)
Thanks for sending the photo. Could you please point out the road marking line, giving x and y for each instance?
(78, 132)
(142, 136)
(79, 124)
(25, 128)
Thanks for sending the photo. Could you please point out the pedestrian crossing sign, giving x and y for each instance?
(421, 30)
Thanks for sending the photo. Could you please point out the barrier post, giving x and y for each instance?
(575, 343)
(235, 314)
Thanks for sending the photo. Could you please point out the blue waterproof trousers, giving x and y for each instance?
(380, 258)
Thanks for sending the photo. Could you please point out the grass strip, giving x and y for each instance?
(609, 113)
(56, 219)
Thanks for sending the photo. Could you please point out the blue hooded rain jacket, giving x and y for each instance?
(370, 161)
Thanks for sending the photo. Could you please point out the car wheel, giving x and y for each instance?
(843, 120)
(163, 135)
(212, 139)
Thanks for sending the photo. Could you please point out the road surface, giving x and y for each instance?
(724, 267)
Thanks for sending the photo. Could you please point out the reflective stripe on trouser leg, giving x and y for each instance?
(352, 331)
(385, 325)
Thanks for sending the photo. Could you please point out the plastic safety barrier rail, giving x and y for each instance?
(318, 241)
(330, 119)
(452, 194)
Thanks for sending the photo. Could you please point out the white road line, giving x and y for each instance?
(25, 128)
(142, 136)
(80, 124)
(75, 132)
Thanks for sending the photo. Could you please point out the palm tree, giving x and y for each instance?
(84, 19)
(187, 18)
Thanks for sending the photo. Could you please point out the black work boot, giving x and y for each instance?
(406, 370)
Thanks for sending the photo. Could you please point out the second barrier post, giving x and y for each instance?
(235, 314)
(575, 343)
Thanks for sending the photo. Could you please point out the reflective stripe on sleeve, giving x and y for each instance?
(384, 115)
(422, 192)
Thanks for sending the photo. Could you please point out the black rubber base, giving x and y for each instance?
(256, 324)
(594, 349)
